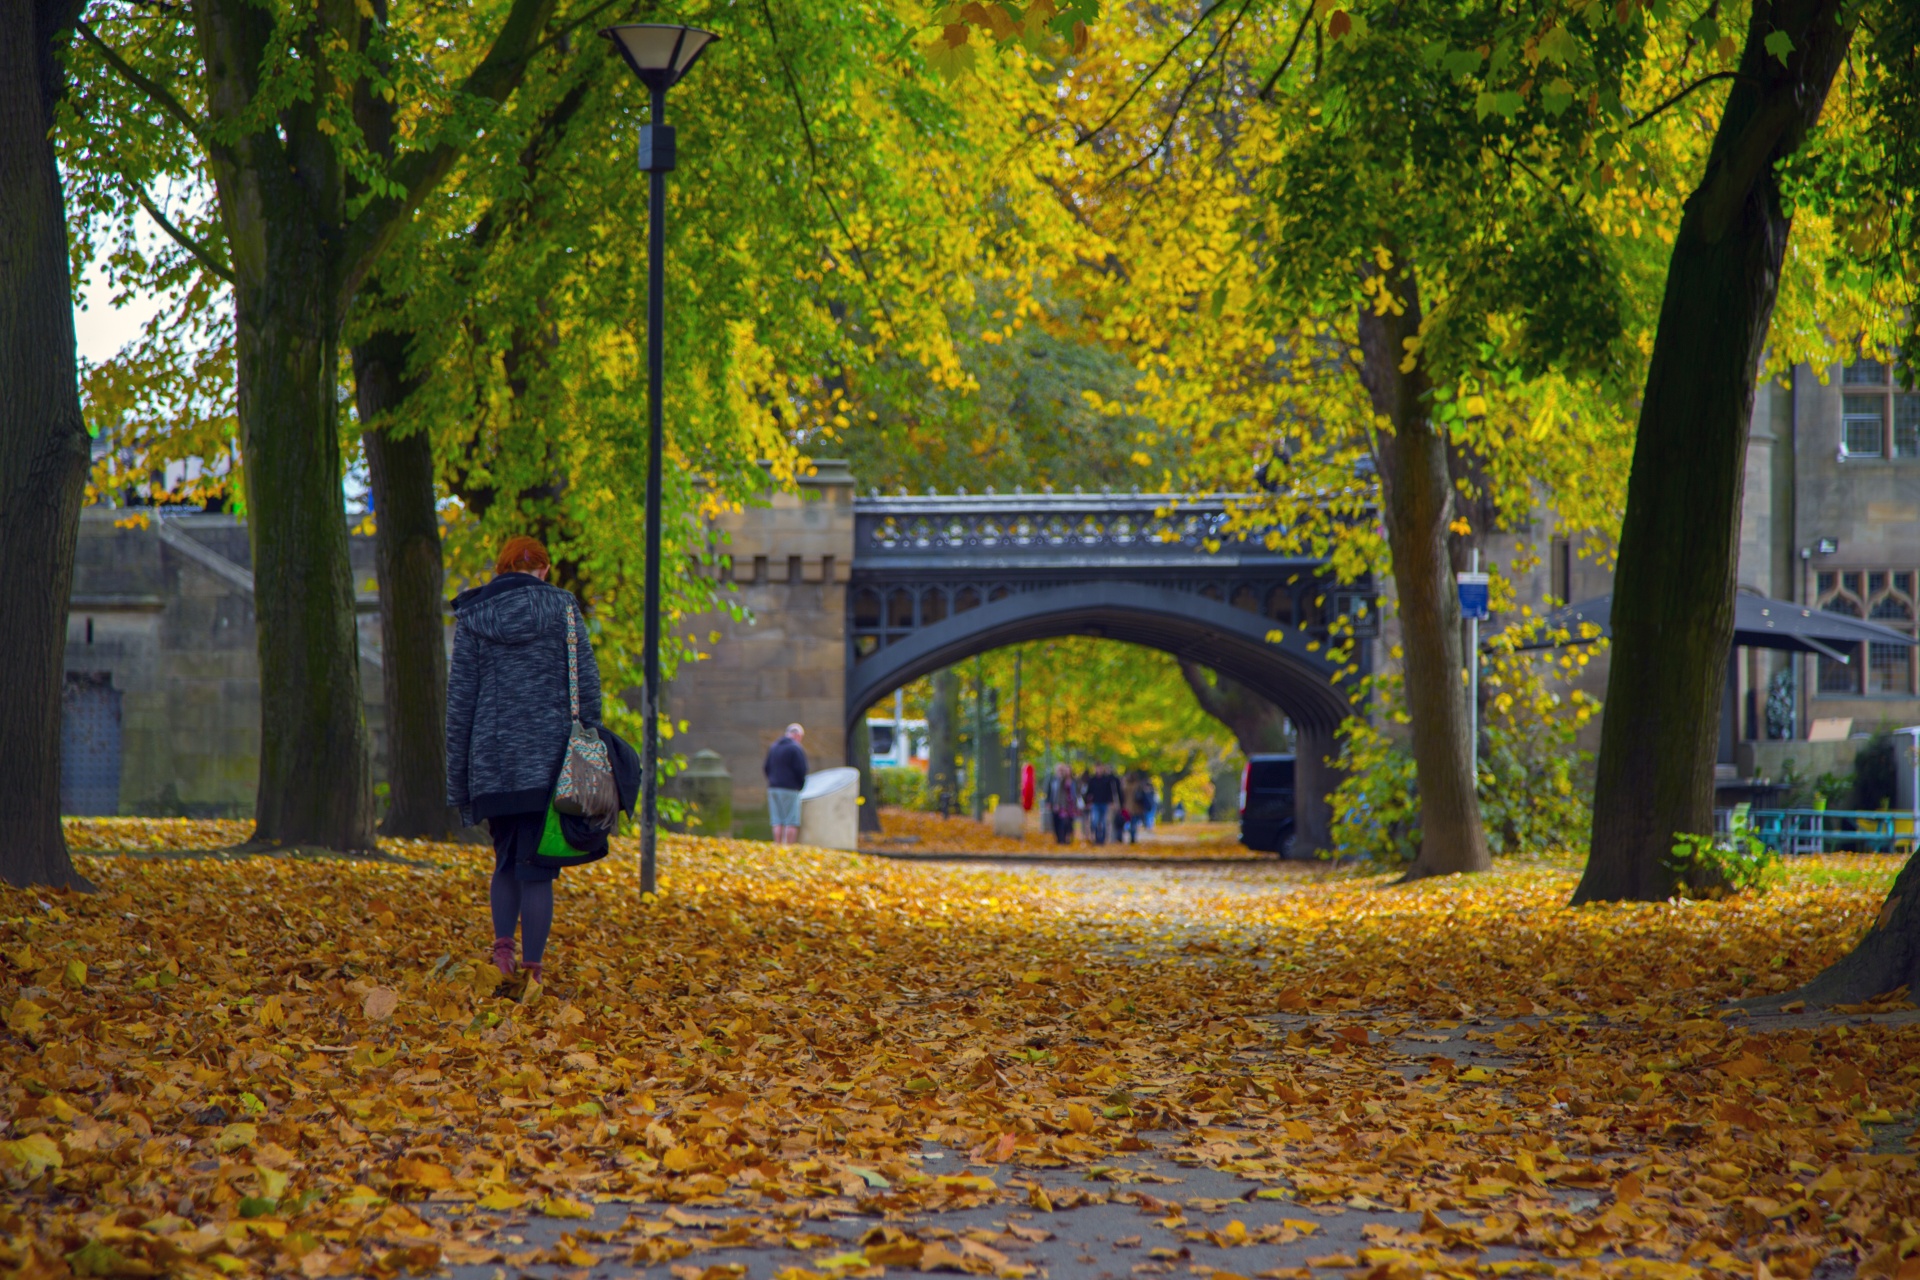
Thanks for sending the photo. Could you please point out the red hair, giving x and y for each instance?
(522, 554)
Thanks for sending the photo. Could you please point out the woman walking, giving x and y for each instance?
(508, 718)
(1062, 805)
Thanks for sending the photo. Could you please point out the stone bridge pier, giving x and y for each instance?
(848, 599)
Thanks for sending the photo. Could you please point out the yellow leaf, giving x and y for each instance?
(561, 1207)
(1080, 1118)
(501, 1200)
(234, 1136)
(33, 1155)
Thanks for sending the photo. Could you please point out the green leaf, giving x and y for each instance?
(1556, 95)
(871, 1177)
(1779, 44)
(1559, 46)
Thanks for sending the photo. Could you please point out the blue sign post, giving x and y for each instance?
(1473, 595)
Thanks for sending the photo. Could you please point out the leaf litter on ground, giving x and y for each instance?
(276, 1066)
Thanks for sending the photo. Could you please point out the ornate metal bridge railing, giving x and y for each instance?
(924, 559)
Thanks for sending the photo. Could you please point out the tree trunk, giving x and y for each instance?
(943, 777)
(1257, 725)
(407, 557)
(1887, 958)
(1679, 543)
(316, 785)
(43, 445)
(1417, 497)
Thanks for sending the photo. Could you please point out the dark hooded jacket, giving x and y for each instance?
(507, 714)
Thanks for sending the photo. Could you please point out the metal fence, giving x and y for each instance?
(1824, 830)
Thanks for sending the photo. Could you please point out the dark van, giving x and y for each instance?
(1266, 803)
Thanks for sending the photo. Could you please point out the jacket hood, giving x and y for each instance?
(514, 608)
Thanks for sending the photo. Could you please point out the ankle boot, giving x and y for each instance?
(503, 956)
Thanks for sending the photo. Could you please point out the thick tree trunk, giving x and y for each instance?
(1417, 496)
(1256, 724)
(1679, 543)
(407, 557)
(43, 446)
(281, 193)
(1887, 958)
(316, 785)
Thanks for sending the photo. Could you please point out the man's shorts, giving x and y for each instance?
(783, 807)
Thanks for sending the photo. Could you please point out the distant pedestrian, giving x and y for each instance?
(508, 721)
(1063, 804)
(786, 772)
(1144, 801)
(1103, 797)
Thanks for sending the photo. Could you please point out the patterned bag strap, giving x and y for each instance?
(573, 668)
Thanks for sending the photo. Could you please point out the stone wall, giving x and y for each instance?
(787, 565)
(171, 627)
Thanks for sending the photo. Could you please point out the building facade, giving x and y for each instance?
(1832, 520)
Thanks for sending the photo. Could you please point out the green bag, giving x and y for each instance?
(554, 851)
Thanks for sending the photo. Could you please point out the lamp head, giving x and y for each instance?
(659, 53)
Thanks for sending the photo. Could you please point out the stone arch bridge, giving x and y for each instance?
(850, 598)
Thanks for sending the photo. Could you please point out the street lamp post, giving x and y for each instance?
(659, 54)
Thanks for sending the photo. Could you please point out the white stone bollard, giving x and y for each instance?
(830, 809)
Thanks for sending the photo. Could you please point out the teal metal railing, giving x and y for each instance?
(1825, 830)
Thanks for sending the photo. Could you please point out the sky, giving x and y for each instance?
(101, 328)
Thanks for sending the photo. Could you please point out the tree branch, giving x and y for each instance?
(418, 173)
(144, 83)
(1266, 90)
(813, 158)
(1147, 79)
(203, 255)
(568, 28)
(1180, 104)
(1703, 80)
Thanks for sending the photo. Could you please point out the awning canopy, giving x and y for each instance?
(1759, 622)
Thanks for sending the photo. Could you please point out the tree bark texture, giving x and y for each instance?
(43, 445)
(296, 260)
(407, 558)
(279, 200)
(1417, 495)
(1679, 542)
(1887, 958)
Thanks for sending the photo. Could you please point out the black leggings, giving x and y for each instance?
(522, 889)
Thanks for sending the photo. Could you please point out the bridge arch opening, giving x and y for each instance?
(1284, 664)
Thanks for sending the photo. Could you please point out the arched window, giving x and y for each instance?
(1890, 666)
(1841, 677)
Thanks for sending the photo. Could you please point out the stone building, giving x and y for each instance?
(162, 699)
(1830, 518)
(787, 566)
